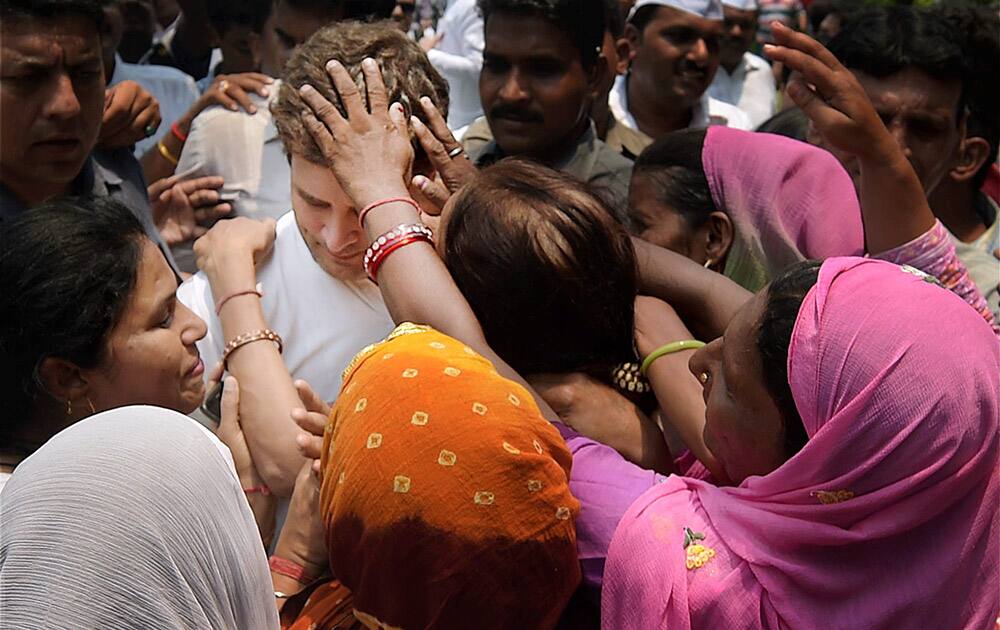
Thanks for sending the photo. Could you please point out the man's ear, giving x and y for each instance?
(973, 153)
(628, 46)
(63, 380)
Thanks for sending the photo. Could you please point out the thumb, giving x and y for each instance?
(230, 422)
(432, 191)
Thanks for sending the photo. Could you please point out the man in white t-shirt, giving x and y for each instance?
(672, 48)
(315, 295)
(743, 79)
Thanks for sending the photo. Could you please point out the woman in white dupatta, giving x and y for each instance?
(132, 518)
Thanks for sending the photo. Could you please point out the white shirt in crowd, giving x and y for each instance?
(750, 87)
(246, 151)
(323, 321)
(707, 112)
(175, 91)
(459, 59)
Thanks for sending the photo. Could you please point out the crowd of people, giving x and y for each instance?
(386, 314)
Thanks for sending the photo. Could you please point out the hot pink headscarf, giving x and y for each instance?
(896, 382)
(789, 201)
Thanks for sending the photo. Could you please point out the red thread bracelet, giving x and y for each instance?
(222, 302)
(263, 490)
(176, 130)
(381, 202)
(289, 569)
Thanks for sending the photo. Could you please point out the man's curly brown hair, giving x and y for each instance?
(406, 71)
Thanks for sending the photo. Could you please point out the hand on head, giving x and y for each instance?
(453, 166)
(369, 152)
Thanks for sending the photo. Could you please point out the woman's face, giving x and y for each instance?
(743, 427)
(152, 358)
(658, 223)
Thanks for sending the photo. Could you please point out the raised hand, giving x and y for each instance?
(130, 114)
(830, 95)
(368, 152)
(447, 157)
(180, 208)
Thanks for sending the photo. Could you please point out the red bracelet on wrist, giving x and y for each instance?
(255, 291)
(381, 202)
(290, 569)
(176, 130)
(263, 490)
(392, 240)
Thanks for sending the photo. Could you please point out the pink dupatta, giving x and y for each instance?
(789, 202)
(887, 518)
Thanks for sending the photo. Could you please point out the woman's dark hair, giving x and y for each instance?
(673, 165)
(774, 335)
(67, 270)
(545, 267)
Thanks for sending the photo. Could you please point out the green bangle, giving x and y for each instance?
(670, 348)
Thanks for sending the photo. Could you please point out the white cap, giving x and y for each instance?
(742, 5)
(709, 9)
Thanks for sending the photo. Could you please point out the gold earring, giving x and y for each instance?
(69, 407)
(91, 404)
(703, 377)
(708, 263)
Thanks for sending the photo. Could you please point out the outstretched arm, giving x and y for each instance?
(893, 205)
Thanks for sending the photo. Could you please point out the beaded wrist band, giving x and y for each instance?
(289, 569)
(392, 240)
(250, 337)
(381, 202)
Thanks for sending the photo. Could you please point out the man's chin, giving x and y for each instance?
(334, 268)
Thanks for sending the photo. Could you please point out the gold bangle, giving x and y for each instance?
(165, 152)
(264, 334)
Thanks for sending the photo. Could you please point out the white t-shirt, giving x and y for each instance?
(3, 480)
(750, 87)
(323, 321)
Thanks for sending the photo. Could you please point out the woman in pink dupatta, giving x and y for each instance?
(885, 518)
(746, 204)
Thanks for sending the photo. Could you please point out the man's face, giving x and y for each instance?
(533, 86)
(402, 14)
(327, 220)
(292, 27)
(739, 28)
(51, 102)
(240, 47)
(921, 113)
(675, 57)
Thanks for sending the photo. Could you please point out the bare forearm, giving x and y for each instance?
(267, 395)
(893, 203)
(681, 405)
(706, 300)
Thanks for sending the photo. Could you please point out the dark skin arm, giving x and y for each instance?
(893, 205)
